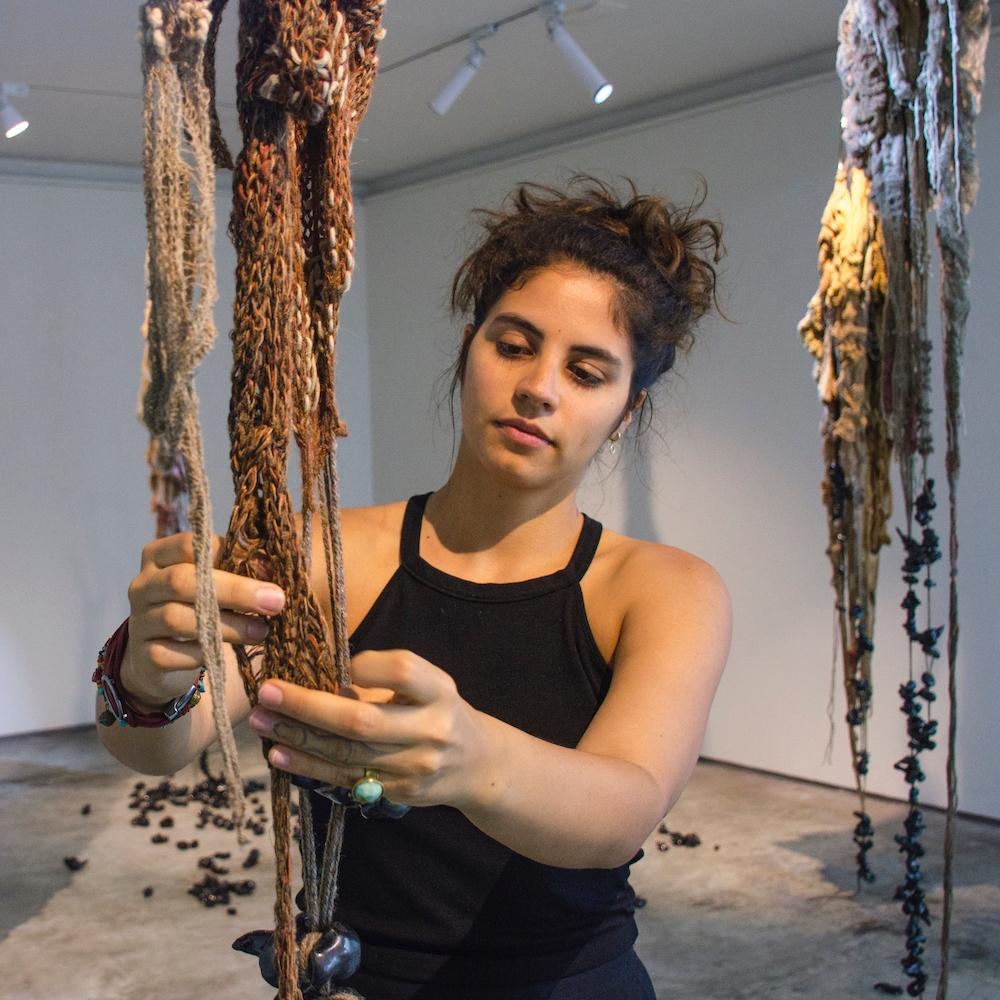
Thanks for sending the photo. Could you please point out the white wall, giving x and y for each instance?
(736, 476)
(74, 502)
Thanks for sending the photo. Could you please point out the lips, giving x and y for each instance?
(523, 432)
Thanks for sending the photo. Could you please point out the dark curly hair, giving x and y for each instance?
(660, 258)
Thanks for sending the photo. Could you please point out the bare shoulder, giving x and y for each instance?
(645, 570)
(373, 525)
(646, 587)
(371, 555)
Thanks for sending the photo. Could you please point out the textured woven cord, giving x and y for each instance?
(304, 77)
(220, 150)
(180, 214)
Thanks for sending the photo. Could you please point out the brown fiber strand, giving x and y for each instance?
(220, 149)
(304, 77)
(286, 954)
(179, 184)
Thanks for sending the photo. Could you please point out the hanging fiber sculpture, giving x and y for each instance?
(180, 218)
(844, 331)
(304, 77)
(912, 72)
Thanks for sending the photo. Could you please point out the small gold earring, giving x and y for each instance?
(613, 440)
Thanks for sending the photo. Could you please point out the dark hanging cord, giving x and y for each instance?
(920, 728)
(856, 645)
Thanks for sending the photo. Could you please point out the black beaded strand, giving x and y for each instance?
(920, 729)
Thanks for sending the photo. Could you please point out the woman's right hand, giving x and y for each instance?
(163, 656)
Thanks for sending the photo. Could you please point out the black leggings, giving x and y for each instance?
(624, 978)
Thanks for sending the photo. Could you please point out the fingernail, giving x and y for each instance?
(279, 757)
(269, 599)
(269, 695)
(257, 629)
(261, 721)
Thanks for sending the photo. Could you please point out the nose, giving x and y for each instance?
(537, 390)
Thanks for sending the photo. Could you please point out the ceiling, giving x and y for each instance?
(81, 59)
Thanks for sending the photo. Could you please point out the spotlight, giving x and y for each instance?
(448, 94)
(589, 74)
(14, 123)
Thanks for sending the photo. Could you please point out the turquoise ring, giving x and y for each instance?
(368, 789)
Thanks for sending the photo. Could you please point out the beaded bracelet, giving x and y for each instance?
(118, 706)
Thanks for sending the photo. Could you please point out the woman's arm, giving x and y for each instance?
(588, 807)
(163, 656)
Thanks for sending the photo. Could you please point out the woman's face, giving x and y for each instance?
(547, 378)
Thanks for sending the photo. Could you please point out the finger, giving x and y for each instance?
(168, 551)
(175, 654)
(178, 582)
(395, 789)
(367, 722)
(328, 746)
(412, 678)
(297, 762)
(175, 620)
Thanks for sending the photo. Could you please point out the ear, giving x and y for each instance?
(635, 408)
(467, 333)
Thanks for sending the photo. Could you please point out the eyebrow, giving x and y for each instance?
(526, 326)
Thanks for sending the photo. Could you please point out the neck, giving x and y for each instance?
(476, 510)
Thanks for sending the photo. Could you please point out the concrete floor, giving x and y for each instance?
(773, 913)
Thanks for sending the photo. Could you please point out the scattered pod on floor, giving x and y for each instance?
(167, 822)
(148, 891)
(159, 838)
(213, 866)
(214, 891)
(888, 988)
(85, 811)
(662, 846)
(639, 903)
(74, 864)
(252, 858)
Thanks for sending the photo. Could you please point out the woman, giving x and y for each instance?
(537, 687)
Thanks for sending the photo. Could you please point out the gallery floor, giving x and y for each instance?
(764, 907)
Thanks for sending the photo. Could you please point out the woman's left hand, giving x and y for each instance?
(404, 718)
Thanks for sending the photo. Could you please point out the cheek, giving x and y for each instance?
(477, 386)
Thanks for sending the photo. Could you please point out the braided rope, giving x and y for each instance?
(180, 214)
(304, 78)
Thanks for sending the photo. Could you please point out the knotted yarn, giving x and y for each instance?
(179, 184)
(304, 77)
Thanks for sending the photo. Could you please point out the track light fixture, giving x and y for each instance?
(591, 77)
(448, 94)
(552, 10)
(14, 123)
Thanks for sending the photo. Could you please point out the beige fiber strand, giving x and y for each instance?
(179, 185)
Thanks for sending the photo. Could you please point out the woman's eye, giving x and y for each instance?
(585, 376)
(509, 350)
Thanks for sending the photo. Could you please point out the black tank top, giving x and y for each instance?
(431, 895)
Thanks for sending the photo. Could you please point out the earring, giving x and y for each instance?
(613, 441)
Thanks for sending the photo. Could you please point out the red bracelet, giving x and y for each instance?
(119, 707)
